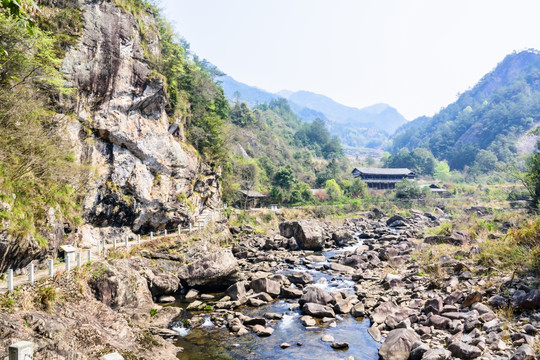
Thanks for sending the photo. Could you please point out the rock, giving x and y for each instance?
(433, 306)
(524, 352)
(265, 285)
(165, 299)
(341, 268)
(453, 298)
(437, 354)
(162, 284)
(497, 301)
(529, 329)
(192, 294)
(195, 305)
(327, 338)
(418, 350)
(392, 281)
(215, 270)
(318, 310)
(235, 325)
(316, 295)
(339, 345)
(358, 310)
(526, 301)
(300, 277)
(398, 344)
(461, 350)
(375, 333)
(273, 316)
(309, 234)
(386, 309)
(290, 293)
(249, 321)
(284, 345)
(471, 299)
(458, 237)
(307, 321)
(439, 322)
(262, 331)
(343, 307)
(342, 237)
(316, 258)
(237, 290)
(256, 302)
(395, 218)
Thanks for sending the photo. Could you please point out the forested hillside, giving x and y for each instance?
(487, 123)
(366, 127)
(273, 151)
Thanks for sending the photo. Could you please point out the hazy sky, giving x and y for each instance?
(415, 55)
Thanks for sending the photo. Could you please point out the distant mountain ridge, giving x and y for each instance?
(367, 127)
(487, 122)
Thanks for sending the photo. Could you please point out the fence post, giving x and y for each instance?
(31, 274)
(151, 235)
(114, 243)
(138, 239)
(127, 240)
(179, 229)
(190, 229)
(68, 265)
(10, 281)
(79, 261)
(89, 255)
(165, 232)
(104, 248)
(51, 268)
(22, 350)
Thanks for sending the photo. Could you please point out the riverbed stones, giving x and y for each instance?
(237, 290)
(327, 338)
(524, 352)
(318, 310)
(307, 321)
(398, 344)
(284, 345)
(291, 293)
(375, 333)
(339, 345)
(262, 331)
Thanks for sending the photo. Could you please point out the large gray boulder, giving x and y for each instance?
(316, 295)
(398, 344)
(309, 234)
(461, 350)
(217, 270)
(318, 310)
(268, 286)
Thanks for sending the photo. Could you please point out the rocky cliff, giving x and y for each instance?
(146, 175)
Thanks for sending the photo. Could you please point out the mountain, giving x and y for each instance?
(380, 116)
(367, 127)
(489, 121)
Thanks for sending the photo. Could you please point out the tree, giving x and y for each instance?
(248, 175)
(242, 115)
(358, 189)
(284, 178)
(333, 190)
(485, 161)
(442, 170)
(408, 189)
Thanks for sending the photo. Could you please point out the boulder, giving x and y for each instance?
(525, 301)
(461, 350)
(437, 354)
(388, 308)
(237, 290)
(215, 270)
(418, 350)
(290, 293)
(524, 352)
(433, 306)
(309, 234)
(342, 237)
(398, 344)
(471, 299)
(316, 295)
(394, 219)
(268, 286)
(458, 237)
(162, 284)
(262, 331)
(300, 277)
(318, 310)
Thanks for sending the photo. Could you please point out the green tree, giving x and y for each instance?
(408, 189)
(284, 178)
(442, 170)
(358, 189)
(333, 190)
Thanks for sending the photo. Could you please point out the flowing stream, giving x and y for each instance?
(207, 341)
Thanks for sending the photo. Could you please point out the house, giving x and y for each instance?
(383, 178)
(250, 198)
(436, 190)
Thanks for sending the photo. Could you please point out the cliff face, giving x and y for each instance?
(147, 177)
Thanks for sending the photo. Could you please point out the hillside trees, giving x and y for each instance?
(419, 160)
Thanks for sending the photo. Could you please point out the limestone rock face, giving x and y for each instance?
(216, 270)
(144, 166)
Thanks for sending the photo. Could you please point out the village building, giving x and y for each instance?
(250, 199)
(437, 190)
(383, 178)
